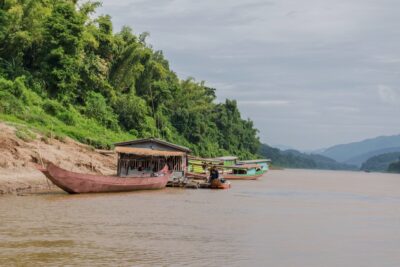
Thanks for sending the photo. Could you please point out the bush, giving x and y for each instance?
(34, 118)
(52, 107)
(14, 87)
(6, 85)
(67, 118)
(31, 98)
(132, 111)
(9, 104)
(19, 86)
(96, 108)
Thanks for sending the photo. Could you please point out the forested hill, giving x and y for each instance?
(65, 71)
(294, 159)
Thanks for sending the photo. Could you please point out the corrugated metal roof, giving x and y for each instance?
(159, 141)
(147, 151)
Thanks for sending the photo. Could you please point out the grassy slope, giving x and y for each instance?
(66, 121)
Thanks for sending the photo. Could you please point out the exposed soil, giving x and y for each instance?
(18, 159)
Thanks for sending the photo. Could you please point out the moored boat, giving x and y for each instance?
(244, 172)
(214, 184)
(198, 176)
(264, 163)
(220, 184)
(75, 183)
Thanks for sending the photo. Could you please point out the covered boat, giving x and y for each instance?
(75, 183)
(244, 172)
(264, 163)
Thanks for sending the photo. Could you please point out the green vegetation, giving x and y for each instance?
(64, 71)
(381, 162)
(295, 159)
(394, 167)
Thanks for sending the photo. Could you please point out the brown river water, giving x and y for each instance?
(288, 218)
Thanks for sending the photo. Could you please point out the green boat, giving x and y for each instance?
(264, 163)
(244, 172)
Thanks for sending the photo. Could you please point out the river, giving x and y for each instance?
(287, 218)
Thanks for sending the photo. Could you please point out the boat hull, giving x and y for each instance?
(226, 176)
(76, 183)
(199, 176)
(217, 184)
(241, 177)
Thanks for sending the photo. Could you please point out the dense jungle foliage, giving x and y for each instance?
(64, 70)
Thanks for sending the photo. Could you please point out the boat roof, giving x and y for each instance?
(194, 158)
(147, 151)
(246, 166)
(255, 161)
(226, 158)
(155, 140)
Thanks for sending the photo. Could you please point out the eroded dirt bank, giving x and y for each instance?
(18, 157)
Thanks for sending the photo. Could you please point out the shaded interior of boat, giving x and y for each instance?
(134, 165)
(247, 169)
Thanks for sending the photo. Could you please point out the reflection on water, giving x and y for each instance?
(289, 218)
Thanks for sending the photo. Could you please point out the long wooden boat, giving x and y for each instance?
(264, 163)
(244, 172)
(75, 183)
(242, 176)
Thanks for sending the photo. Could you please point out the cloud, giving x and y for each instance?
(264, 103)
(307, 64)
(344, 109)
(389, 95)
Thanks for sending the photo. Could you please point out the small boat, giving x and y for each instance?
(197, 176)
(75, 183)
(214, 184)
(244, 172)
(218, 184)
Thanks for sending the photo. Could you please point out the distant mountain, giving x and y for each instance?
(353, 152)
(360, 159)
(380, 163)
(294, 159)
(283, 147)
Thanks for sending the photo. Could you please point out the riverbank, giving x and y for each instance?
(21, 148)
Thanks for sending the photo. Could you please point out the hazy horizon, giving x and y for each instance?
(310, 75)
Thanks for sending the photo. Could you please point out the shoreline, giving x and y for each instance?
(24, 181)
(18, 158)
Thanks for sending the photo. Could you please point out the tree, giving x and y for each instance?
(61, 53)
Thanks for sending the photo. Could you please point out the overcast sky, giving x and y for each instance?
(310, 73)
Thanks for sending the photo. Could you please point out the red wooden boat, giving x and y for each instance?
(75, 183)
